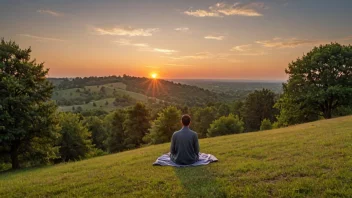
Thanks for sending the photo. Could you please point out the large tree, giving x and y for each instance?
(115, 141)
(75, 142)
(136, 125)
(257, 107)
(164, 126)
(27, 115)
(202, 118)
(322, 79)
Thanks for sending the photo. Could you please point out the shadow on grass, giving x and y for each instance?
(199, 182)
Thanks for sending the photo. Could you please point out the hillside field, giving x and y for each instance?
(308, 160)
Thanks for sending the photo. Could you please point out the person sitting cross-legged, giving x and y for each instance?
(184, 144)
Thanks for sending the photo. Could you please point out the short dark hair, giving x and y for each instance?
(186, 120)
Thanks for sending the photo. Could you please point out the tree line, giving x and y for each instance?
(33, 132)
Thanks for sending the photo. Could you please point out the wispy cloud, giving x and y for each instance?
(144, 46)
(202, 13)
(40, 38)
(177, 65)
(241, 48)
(223, 9)
(126, 31)
(201, 55)
(51, 12)
(165, 51)
(285, 43)
(249, 9)
(182, 29)
(128, 43)
(219, 38)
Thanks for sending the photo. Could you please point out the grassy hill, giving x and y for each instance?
(312, 159)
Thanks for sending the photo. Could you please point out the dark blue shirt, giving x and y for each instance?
(184, 147)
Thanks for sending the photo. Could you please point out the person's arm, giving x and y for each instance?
(173, 146)
(196, 145)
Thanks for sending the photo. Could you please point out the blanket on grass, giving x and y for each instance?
(204, 159)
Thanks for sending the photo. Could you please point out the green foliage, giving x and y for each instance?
(136, 125)
(27, 115)
(266, 125)
(292, 112)
(321, 80)
(202, 118)
(115, 141)
(257, 107)
(75, 142)
(96, 126)
(164, 126)
(226, 125)
(224, 110)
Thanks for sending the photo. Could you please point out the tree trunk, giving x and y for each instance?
(327, 113)
(14, 155)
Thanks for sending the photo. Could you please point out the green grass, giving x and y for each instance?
(308, 160)
(118, 87)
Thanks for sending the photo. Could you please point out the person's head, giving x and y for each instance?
(186, 120)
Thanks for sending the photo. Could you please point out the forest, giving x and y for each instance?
(49, 121)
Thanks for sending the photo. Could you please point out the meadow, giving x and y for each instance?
(307, 160)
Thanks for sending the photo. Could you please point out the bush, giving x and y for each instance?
(266, 125)
(226, 125)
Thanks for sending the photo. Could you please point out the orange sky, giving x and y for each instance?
(176, 39)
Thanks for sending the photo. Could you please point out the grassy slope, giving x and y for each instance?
(312, 159)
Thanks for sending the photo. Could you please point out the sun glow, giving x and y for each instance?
(154, 75)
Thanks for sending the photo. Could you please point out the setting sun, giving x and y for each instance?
(154, 75)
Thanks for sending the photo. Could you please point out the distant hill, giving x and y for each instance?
(232, 87)
(308, 160)
(113, 92)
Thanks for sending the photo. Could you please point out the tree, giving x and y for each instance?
(266, 125)
(136, 125)
(115, 132)
(294, 112)
(224, 110)
(201, 120)
(75, 142)
(226, 125)
(164, 126)
(258, 106)
(96, 126)
(26, 111)
(321, 80)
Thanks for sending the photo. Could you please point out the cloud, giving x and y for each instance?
(202, 55)
(223, 9)
(182, 29)
(144, 47)
(126, 31)
(165, 51)
(51, 12)
(177, 65)
(285, 43)
(249, 9)
(40, 38)
(202, 13)
(128, 43)
(241, 48)
(219, 38)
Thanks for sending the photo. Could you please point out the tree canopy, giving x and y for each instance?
(25, 94)
(320, 81)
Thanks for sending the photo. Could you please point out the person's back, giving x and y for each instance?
(184, 144)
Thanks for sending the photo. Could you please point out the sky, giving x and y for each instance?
(203, 39)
